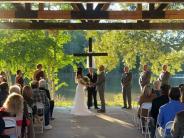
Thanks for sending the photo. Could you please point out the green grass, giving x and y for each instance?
(111, 100)
(64, 103)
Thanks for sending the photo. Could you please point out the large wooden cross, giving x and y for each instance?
(90, 53)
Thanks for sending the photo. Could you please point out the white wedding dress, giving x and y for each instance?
(80, 104)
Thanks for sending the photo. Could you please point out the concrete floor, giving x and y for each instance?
(116, 123)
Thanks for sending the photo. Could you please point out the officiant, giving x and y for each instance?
(92, 93)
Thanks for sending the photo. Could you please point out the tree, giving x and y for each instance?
(150, 47)
(25, 49)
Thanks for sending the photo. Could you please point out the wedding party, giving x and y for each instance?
(91, 69)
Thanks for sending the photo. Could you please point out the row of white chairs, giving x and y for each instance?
(11, 128)
(39, 121)
(14, 131)
(143, 121)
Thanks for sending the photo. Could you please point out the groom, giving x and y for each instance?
(92, 89)
(100, 85)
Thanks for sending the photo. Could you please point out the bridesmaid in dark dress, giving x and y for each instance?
(19, 78)
(39, 73)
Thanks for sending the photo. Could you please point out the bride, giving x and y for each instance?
(80, 106)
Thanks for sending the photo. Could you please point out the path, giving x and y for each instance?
(116, 123)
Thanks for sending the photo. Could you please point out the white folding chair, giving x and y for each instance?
(39, 120)
(30, 111)
(135, 111)
(10, 127)
(168, 126)
(145, 118)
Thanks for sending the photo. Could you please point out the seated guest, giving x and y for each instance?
(28, 101)
(28, 97)
(156, 104)
(159, 101)
(15, 89)
(19, 78)
(13, 107)
(3, 92)
(42, 87)
(168, 111)
(156, 88)
(146, 97)
(41, 97)
(177, 130)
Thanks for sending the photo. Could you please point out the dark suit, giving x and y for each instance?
(156, 104)
(178, 126)
(126, 88)
(144, 79)
(164, 78)
(92, 91)
(100, 86)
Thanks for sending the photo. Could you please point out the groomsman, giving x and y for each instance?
(100, 85)
(145, 77)
(126, 87)
(164, 76)
(92, 89)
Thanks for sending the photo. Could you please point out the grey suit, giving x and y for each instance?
(126, 88)
(178, 126)
(144, 79)
(164, 78)
(100, 86)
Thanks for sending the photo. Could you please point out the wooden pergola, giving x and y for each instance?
(92, 15)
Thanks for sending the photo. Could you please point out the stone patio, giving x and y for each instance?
(116, 123)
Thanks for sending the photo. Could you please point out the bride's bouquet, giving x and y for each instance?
(84, 80)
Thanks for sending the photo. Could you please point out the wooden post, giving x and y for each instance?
(90, 51)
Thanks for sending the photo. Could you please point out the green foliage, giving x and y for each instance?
(146, 47)
(24, 49)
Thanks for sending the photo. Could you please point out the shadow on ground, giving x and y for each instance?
(116, 123)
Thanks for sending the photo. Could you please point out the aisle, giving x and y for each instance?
(114, 124)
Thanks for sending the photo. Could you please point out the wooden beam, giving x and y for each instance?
(89, 8)
(74, 6)
(18, 6)
(77, 7)
(93, 26)
(161, 7)
(105, 7)
(41, 7)
(28, 6)
(80, 6)
(90, 15)
(101, 7)
(89, 1)
(151, 7)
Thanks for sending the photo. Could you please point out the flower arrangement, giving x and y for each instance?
(84, 80)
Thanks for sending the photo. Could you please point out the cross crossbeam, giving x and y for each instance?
(90, 54)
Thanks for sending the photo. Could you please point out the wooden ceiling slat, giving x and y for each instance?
(89, 1)
(91, 15)
(161, 7)
(94, 26)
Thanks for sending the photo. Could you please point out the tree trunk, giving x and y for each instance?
(8, 77)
